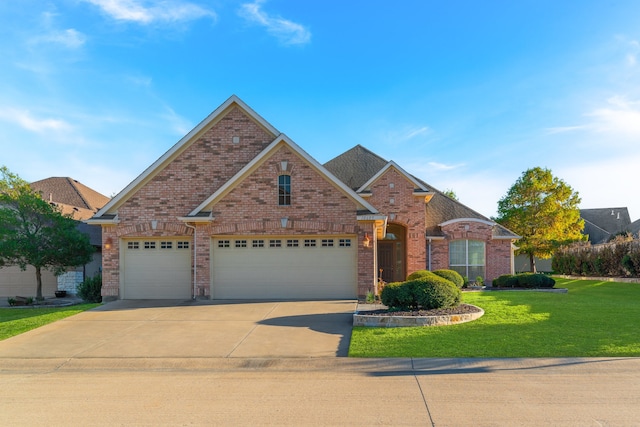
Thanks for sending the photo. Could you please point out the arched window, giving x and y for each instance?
(467, 257)
(284, 190)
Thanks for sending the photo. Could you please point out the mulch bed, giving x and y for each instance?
(461, 309)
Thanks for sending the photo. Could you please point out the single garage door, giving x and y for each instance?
(156, 269)
(296, 267)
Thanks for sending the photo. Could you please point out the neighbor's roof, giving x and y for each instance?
(602, 223)
(72, 196)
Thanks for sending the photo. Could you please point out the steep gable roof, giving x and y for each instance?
(355, 166)
(179, 147)
(72, 196)
(281, 140)
(388, 166)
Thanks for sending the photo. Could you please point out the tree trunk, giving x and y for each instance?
(39, 283)
(532, 263)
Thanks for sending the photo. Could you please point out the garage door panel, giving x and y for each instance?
(284, 272)
(156, 269)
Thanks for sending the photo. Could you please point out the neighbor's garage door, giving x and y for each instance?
(156, 269)
(300, 267)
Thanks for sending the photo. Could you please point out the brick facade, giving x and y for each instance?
(196, 169)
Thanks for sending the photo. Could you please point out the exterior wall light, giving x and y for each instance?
(108, 243)
(367, 241)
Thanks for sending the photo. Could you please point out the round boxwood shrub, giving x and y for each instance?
(435, 292)
(396, 295)
(452, 276)
(420, 274)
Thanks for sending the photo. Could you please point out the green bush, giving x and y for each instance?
(452, 276)
(524, 280)
(395, 295)
(90, 288)
(420, 274)
(436, 292)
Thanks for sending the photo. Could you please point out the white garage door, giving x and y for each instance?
(156, 269)
(300, 267)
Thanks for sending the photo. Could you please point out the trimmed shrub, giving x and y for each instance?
(395, 295)
(524, 280)
(90, 288)
(452, 276)
(420, 274)
(435, 292)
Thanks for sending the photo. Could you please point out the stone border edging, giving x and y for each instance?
(602, 279)
(404, 321)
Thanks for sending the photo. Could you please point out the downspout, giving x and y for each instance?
(429, 253)
(195, 257)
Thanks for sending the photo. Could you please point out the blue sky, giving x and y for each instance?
(464, 94)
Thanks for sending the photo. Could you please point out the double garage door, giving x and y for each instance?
(244, 267)
(295, 267)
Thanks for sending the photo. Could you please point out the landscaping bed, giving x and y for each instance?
(434, 317)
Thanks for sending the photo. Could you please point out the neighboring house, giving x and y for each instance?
(600, 226)
(264, 220)
(81, 202)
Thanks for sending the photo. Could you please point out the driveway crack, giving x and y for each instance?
(424, 399)
(251, 330)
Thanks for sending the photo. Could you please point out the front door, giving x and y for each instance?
(392, 253)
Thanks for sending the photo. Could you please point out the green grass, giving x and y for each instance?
(594, 319)
(16, 321)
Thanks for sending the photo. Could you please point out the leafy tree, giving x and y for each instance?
(542, 209)
(450, 194)
(33, 232)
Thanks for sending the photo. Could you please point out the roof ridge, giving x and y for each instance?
(73, 182)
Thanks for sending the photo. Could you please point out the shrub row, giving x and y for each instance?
(620, 258)
(524, 280)
(423, 289)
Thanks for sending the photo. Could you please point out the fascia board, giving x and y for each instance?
(399, 169)
(191, 136)
(260, 158)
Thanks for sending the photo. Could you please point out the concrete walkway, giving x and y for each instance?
(154, 365)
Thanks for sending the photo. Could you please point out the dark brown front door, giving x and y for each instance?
(385, 261)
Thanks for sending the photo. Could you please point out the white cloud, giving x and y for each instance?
(165, 11)
(288, 32)
(419, 131)
(29, 122)
(442, 166)
(68, 38)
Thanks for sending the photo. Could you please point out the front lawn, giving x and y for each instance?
(595, 319)
(16, 321)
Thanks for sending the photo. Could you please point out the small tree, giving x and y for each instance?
(542, 209)
(450, 194)
(33, 232)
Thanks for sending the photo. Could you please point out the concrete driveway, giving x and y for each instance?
(193, 329)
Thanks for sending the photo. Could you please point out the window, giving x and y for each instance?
(327, 242)
(309, 243)
(292, 243)
(257, 243)
(284, 190)
(166, 245)
(344, 243)
(275, 243)
(241, 243)
(149, 245)
(133, 245)
(183, 245)
(467, 258)
(223, 243)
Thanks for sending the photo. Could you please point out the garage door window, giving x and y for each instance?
(223, 243)
(309, 243)
(275, 243)
(327, 242)
(149, 245)
(133, 245)
(292, 243)
(183, 245)
(344, 243)
(166, 245)
(257, 244)
(241, 243)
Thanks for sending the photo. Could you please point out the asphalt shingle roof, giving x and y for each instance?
(72, 196)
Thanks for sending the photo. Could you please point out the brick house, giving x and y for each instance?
(237, 210)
